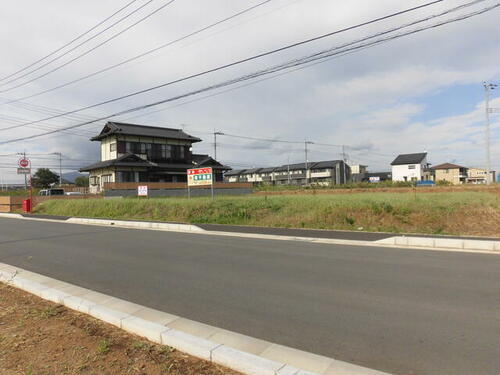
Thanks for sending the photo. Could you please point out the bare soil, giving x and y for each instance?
(41, 338)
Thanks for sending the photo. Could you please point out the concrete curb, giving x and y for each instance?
(427, 243)
(442, 243)
(242, 353)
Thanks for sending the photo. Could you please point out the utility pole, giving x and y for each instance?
(60, 166)
(487, 88)
(307, 160)
(345, 162)
(215, 143)
(288, 168)
(25, 179)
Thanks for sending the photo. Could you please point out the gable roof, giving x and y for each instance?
(112, 128)
(325, 164)
(448, 166)
(409, 158)
(202, 160)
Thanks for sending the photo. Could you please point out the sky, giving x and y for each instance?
(421, 92)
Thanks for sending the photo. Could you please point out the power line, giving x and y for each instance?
(324, 55)
(238, 62)
(85, 53)
(144, 53)
(70, 42)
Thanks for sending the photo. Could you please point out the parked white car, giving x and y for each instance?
(74, 193)
(51, 192)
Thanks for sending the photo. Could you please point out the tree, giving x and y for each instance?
(82, 181)
(43, 178)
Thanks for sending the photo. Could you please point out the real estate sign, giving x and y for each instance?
(142, 191)
(200, 176)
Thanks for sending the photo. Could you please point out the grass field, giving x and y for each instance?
(460, 213)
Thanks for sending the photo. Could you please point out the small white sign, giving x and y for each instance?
(375, 179)
(142, 191)
(23, 170)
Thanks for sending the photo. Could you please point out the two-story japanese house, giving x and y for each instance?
(139, 153)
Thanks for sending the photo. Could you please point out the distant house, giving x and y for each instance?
(322, 172)
(411, 167)
(479, 176)
(140, 153)
(377, 177)
(453, 173)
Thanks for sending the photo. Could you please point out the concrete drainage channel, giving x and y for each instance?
(239, 352)
(412, 242)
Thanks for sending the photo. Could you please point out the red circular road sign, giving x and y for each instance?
(24, 163)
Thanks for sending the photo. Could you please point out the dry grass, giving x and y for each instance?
(41, 338)
(460, 213)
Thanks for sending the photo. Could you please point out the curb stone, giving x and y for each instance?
(430, 243)
(205, 348)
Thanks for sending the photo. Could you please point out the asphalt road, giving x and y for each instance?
(396, 310)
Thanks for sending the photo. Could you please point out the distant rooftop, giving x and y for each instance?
(447, 166)
(409, 158)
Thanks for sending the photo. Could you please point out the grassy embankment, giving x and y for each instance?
(461, 213)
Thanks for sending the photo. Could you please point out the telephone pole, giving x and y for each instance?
(60, 166)
(25, 178)
(487, 88)
(215, 143)
(345, 163)
(307, 160)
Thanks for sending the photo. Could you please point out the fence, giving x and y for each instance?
(10, 204)
(15, 203)
(173, 185)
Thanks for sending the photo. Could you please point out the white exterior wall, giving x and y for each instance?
(328, 173)
(399, 172)
(106, 154)
(97, 175)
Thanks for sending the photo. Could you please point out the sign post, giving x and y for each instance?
(200, 177)
(24, 168)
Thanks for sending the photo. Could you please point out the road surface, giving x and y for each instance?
(396, 310)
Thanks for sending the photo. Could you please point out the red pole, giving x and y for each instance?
(31, 193)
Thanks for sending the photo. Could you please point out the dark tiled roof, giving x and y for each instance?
(267, 170)
(201, 160)
(234, 172)
(409, 158)
(127, 160)
(292, 167)
(251, 171)
(325, 164)
(447, 166)
(112, 128)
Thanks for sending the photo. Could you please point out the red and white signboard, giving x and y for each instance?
(24, 162)
(200, 176)
(142, 191)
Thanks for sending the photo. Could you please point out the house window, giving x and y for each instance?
(411, 167)
(126, 176)
(106, 178)
(112, 147)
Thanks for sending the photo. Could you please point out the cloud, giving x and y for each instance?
(373, 101)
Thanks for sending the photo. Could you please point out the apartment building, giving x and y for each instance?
(323, 172)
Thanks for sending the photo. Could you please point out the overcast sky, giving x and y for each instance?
(422, 92)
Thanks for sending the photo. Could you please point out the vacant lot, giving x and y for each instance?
(459, 213)
(41, 338)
